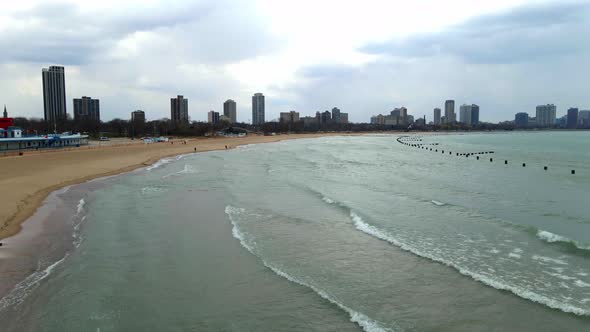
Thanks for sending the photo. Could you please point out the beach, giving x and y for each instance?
(335, 233)
(27, 180)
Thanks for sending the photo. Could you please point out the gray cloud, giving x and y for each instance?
(507, 63)
(526, 33)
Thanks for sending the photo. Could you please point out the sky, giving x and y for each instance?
(364, 57)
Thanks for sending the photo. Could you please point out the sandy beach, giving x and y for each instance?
(27, 180)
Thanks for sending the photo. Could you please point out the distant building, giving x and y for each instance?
(229, 110)
(584, 119)
(223, 118)
(54, 94)
(546, 115)
(5, 122)
(310, 120)
(86, 109)
(138, 116)
(437, 116)
(289, 117)
(326, 118)
(343, 118)
(213, 117)
(336, 115)
(450, 116)
(469, 114)
(378, 119)
(521, 120)
(258, 109)
(572, 118)
(179, 111)
(5, 113)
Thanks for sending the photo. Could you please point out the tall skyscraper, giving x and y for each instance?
(450, 115)
(437, 116)
(179, 111)
(546, 115)
(258, 109)
(572, 118)
(86, 109)
(469, 114)
(213, 117)
(336, 115)
(54, 94)
(229, 110)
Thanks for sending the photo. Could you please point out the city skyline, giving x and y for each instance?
(369, 67)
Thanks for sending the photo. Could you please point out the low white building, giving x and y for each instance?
(41, 142)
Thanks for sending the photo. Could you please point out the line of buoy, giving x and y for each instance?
(403, 140)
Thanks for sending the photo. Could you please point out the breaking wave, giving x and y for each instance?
(365, 322)
(362, 226)
(554, 238)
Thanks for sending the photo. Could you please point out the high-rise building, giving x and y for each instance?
(258, 109)
(343, 118)
(521, 120)
(584, 119)
(138, 116)
(179, 111)
(546, 115)
(213, 117)
(572, 118)
(289, 117)
(437, 116)
(336, 115)
(450, 115)
(326, 118)
(86, 109)
(54, 94)
(469, 114)
(229, 110)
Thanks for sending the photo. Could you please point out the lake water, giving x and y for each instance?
(329, 234)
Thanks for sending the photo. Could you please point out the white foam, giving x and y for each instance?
(18, 294)
(80, 207)
(513, 255)
(361, 225)
(328, 200)
(553, 238)
(158, 163)
(580, 283)
(437, 203)
(365, 322)
(549, 260)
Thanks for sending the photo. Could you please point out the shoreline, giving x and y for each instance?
(25, 204)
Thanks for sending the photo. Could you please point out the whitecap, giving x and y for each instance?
(365, 322)
(361, 225)
(549, 260)
(437, 203)
(555, 238)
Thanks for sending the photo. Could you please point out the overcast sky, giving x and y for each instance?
(365, 57)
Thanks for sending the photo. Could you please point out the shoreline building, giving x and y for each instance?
(546, 115)
(86, 109)
(54, 94)
(213, 117)
(584, 118)
(289, 117)
(450, 115)
(258, 109)
(229, 110)
(179, 111)
(137, 122)
(469, 114)
(437, 117)
(572, 118)
(521, 120)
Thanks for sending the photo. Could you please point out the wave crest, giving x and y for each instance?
(554, 238)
